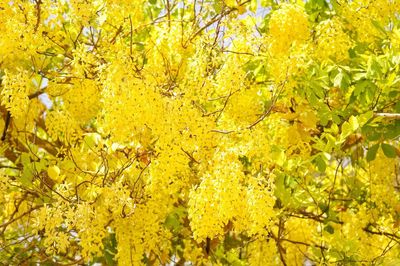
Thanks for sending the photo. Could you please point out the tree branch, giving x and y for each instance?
(388, 115)
(38, 13)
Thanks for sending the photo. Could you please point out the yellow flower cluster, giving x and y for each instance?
(62, 126)
(127, 110)
(263, 252)
(366, 17)
(141, 232)
(181, 133)
(82, 100)
(15, 92)
(83, 11)
(288, 29)
(332, 42)
(260, 203)
(218, 200)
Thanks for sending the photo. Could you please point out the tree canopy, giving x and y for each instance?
(223, 132)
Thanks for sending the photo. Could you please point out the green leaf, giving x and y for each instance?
(364, 118)
(371, 153)
(341, 80)
(388, 150)
(91, 140)
(360, 87)
(372, 132)
(319, 91)
(172, 222)
(26, 177)
(392, 131)
(41, 165)
(353, 123)
(278, 155)
(320, 163)
(346, 130)
(25, 159)
(281, 192)
(397, 107)
(337, 81)
(329, 229)
(379, 27)
(373, 68)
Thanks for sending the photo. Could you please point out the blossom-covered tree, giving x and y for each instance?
(223, 132)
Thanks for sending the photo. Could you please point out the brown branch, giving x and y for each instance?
(119, 30)
(333, 186)
(10, 167)
(225, 104)
(63, 47)
(389, 235)
(295, 242)
(278, 240)
(77, 37)
(235, 52)
(168, 14)
(8, 116)
(42, 143)
(19, 217)
(190, 156)
(222, 131)
(38, 13)
(214, 19)
(36, 94)
(6, 125)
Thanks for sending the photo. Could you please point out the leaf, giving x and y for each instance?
(26, 177)
(388, 150)
(318, 90)
(378, 26)
(25, 159)
(353, 123)
(230, 3)
(346, 130)
(91, 140)
(281, 192)
(397, 107)
(364, 118)
(341, 80)
(320, 163)
(278, 155)
(371, 153)
(53, 172)
(360, 87)
(373, 68)
(337, 81)
(329, 229)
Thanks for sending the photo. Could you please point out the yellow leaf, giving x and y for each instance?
(230, 3)
(53, 172)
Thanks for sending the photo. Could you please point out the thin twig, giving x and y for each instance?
(222, 131)
(274, 100)
(118, 32)
(190, 156)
